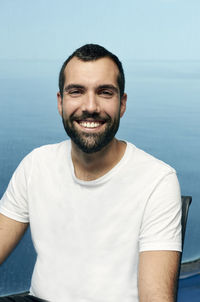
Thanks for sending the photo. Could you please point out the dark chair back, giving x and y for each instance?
(186, 201)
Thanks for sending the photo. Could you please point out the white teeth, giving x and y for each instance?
(90, 124)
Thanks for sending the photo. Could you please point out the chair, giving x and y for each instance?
(186, 201)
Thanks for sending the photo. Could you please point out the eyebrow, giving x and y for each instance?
(78, 86)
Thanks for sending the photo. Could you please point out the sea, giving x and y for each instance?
(162, 118)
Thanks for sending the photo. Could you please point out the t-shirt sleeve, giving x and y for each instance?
(14, 203)
(161, 224)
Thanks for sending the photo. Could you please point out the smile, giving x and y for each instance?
(90, 124)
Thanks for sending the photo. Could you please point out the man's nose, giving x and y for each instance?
(91, 103)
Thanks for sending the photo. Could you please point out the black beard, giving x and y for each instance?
(91, 142)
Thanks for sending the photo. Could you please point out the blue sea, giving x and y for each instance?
(162, 118)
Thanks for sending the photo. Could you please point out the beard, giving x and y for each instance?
(91, 142)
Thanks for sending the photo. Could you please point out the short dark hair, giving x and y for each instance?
(92, 52)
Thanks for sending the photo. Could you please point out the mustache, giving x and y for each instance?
(95, 116)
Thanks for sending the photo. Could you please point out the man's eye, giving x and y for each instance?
(106, 93)
(74, 92)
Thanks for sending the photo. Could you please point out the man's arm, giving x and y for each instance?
(158, 276)
(11, 232)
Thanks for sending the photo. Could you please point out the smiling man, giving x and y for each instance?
(94, 104)
(104, 215)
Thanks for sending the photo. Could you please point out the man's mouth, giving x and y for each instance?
(90, 124)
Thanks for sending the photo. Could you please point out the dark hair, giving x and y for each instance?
(92, 52)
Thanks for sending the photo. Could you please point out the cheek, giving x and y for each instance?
(113, 110)
(69, 107)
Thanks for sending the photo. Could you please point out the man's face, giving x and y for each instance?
(91, 106)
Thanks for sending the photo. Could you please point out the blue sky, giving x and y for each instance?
(139, 30)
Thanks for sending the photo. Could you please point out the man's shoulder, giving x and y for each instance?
(51, 148)
(47, 153)
(145, 160)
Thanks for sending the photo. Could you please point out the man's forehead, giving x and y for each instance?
(104, 66)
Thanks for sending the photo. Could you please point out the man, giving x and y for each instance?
(104, 215)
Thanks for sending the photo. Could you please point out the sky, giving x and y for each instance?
(134, 30)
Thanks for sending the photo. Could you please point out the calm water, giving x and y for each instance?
(162, 118)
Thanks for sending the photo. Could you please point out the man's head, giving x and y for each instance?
(91, 98)
(93, 52)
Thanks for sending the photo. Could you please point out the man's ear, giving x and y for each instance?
(59, 103)
(123, 104)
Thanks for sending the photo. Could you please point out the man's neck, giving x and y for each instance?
(92, 166)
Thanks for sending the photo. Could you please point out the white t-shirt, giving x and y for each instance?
(88, 234)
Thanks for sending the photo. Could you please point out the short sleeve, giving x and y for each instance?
(14, 203)
(161, 224)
